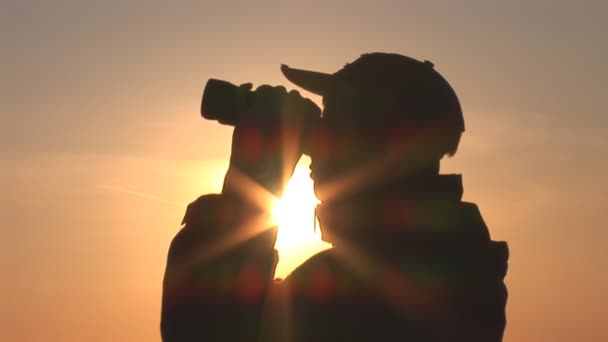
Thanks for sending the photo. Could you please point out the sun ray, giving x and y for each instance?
(364, 176)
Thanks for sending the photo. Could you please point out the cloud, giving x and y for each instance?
(137, 194)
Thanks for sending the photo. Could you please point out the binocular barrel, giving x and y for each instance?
(221, 102)
(232, 105)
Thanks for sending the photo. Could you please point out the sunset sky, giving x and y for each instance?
(102, 144)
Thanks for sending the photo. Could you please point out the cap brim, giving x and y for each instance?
(312, 81)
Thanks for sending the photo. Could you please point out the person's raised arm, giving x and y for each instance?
(222, 262)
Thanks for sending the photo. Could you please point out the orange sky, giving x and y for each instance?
(103, 146)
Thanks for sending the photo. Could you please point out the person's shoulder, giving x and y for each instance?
(203, 208)
(203, 217)
(324, 258)
(317, 266)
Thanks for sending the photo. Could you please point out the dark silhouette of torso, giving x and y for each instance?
(428, 272)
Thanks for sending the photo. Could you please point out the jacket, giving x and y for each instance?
(427, 271)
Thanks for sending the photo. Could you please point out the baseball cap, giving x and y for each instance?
(419, 94)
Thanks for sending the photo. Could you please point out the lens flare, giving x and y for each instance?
(294, 213)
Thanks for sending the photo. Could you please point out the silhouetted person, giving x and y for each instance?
(411, 261)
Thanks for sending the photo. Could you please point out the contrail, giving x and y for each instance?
(137, 193)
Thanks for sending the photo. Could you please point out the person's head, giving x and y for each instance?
(385, 116)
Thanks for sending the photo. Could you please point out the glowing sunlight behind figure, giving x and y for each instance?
(294, 212)
(296, 238)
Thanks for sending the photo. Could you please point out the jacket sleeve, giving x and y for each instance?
(219, 268)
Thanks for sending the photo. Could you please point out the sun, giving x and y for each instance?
(294, 213)
(297, 238)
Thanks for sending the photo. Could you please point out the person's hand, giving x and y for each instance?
(267, 145)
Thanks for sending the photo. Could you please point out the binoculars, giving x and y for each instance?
(231, 105)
